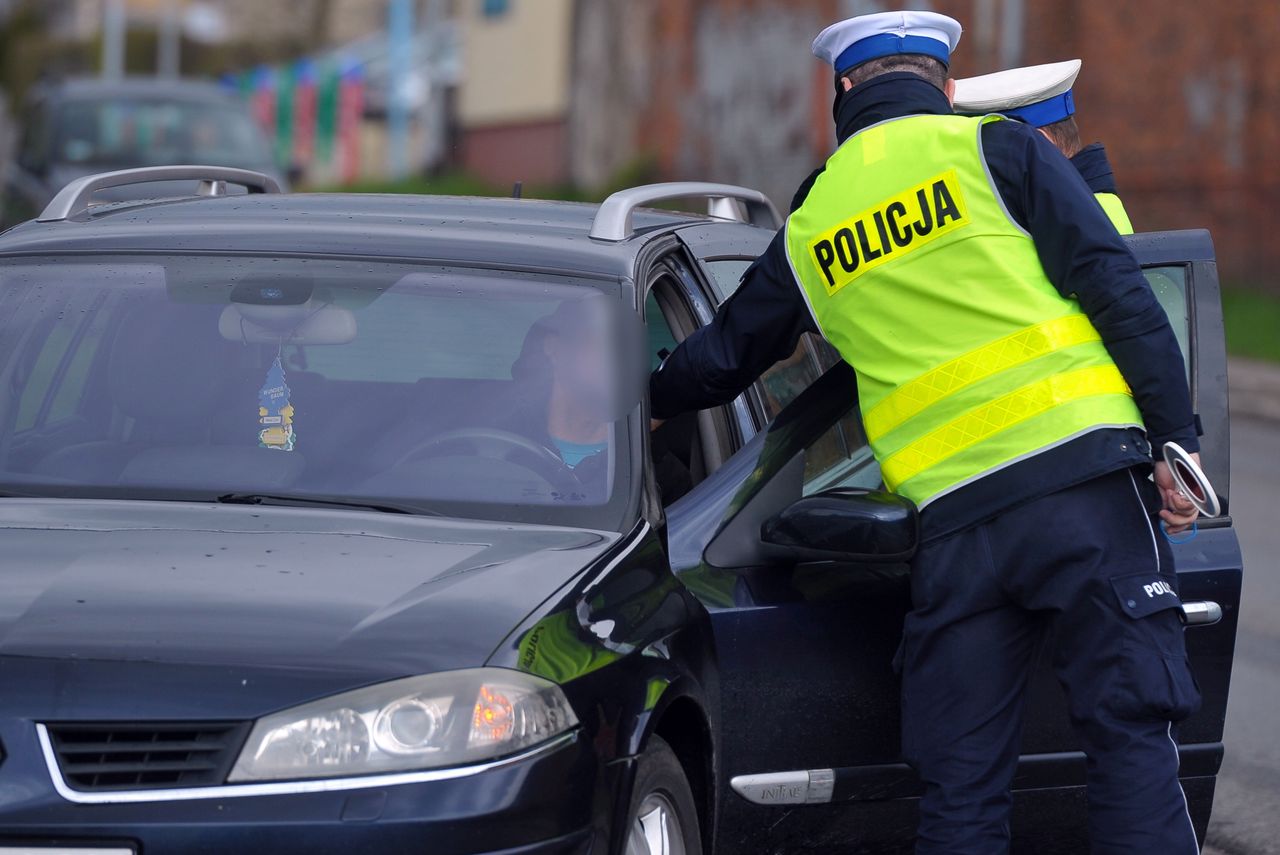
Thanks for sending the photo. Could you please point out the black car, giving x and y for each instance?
(83, 126)
(332, 523)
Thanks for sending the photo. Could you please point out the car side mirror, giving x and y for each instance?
(844, 524)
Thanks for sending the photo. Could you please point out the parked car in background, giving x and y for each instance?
(80, 127)
(293, 557)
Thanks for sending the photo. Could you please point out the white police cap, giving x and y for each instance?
(1038, 94)
(867, 37)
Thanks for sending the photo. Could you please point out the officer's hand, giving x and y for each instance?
(654, 424)
(1178, 513)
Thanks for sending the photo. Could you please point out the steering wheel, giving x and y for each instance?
(499, 445)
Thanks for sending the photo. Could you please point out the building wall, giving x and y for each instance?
(247, 20)
(513, 98)
(1187, 103)
(1197, 140)
(612, 84)
(722, 89)
(515, 64)
(531, 152)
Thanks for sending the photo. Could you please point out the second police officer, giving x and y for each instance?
(1043, 96)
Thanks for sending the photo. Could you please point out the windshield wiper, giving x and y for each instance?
(322, 501)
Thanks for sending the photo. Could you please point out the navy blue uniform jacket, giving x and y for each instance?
(1083, 257)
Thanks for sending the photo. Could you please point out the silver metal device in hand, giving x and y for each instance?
(1191, 480)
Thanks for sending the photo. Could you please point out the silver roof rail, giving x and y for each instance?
(74, 198)
(613, 220)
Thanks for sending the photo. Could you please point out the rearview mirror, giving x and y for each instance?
(844, 525)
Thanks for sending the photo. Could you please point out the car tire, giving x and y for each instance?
(663, 818)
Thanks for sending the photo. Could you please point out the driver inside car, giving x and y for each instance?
(564, 371)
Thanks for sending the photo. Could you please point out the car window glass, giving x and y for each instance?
(676, 448)
(475, 339)
(39, 382)
(480, 394)
(784, 382)
(726, 274)
(1170, 287)
(75, 379)
(661, 337)
(63, 347)
(841, 457)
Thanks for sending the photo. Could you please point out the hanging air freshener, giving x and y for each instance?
(275, 413)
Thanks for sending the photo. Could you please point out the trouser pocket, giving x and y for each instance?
(1155, 679)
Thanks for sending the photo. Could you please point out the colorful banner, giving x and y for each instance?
(350, 111)
(304, 112)
(311, 110)
(327, 114)
(263, 99)
(286, 84)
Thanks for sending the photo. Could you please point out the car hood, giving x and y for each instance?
(351, 592)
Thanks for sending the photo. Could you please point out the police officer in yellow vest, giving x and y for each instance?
(1043, 96)
(1015, 375)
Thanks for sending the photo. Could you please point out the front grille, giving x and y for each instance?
(96, 757)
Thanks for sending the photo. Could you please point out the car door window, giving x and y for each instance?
(781, 384)
(841, 457)
(661, 339)
(1169, 283)
(678, 447)
(726, 274)
(784, 382)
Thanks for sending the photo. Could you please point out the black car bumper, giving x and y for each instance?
(554, 802)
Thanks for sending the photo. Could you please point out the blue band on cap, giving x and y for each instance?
(887, 44)
(1048, 112)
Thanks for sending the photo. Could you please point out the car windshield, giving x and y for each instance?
(154, 132)
(482, 394)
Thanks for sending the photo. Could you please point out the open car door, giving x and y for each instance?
(810, 738)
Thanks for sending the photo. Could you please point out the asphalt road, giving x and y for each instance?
(1246, 809)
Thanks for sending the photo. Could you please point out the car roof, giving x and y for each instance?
(526, 234)
(94, 88)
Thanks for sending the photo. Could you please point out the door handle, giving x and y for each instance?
(1201, 613)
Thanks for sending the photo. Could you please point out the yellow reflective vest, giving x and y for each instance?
(1111, 203)
(968, 359)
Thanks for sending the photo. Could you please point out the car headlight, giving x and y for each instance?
(417, 723)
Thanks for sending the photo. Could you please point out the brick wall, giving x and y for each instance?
(1187, 102)
(530, 152)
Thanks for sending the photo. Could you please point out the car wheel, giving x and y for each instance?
(663, 819)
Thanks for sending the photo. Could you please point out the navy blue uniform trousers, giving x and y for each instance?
(1084, 575)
